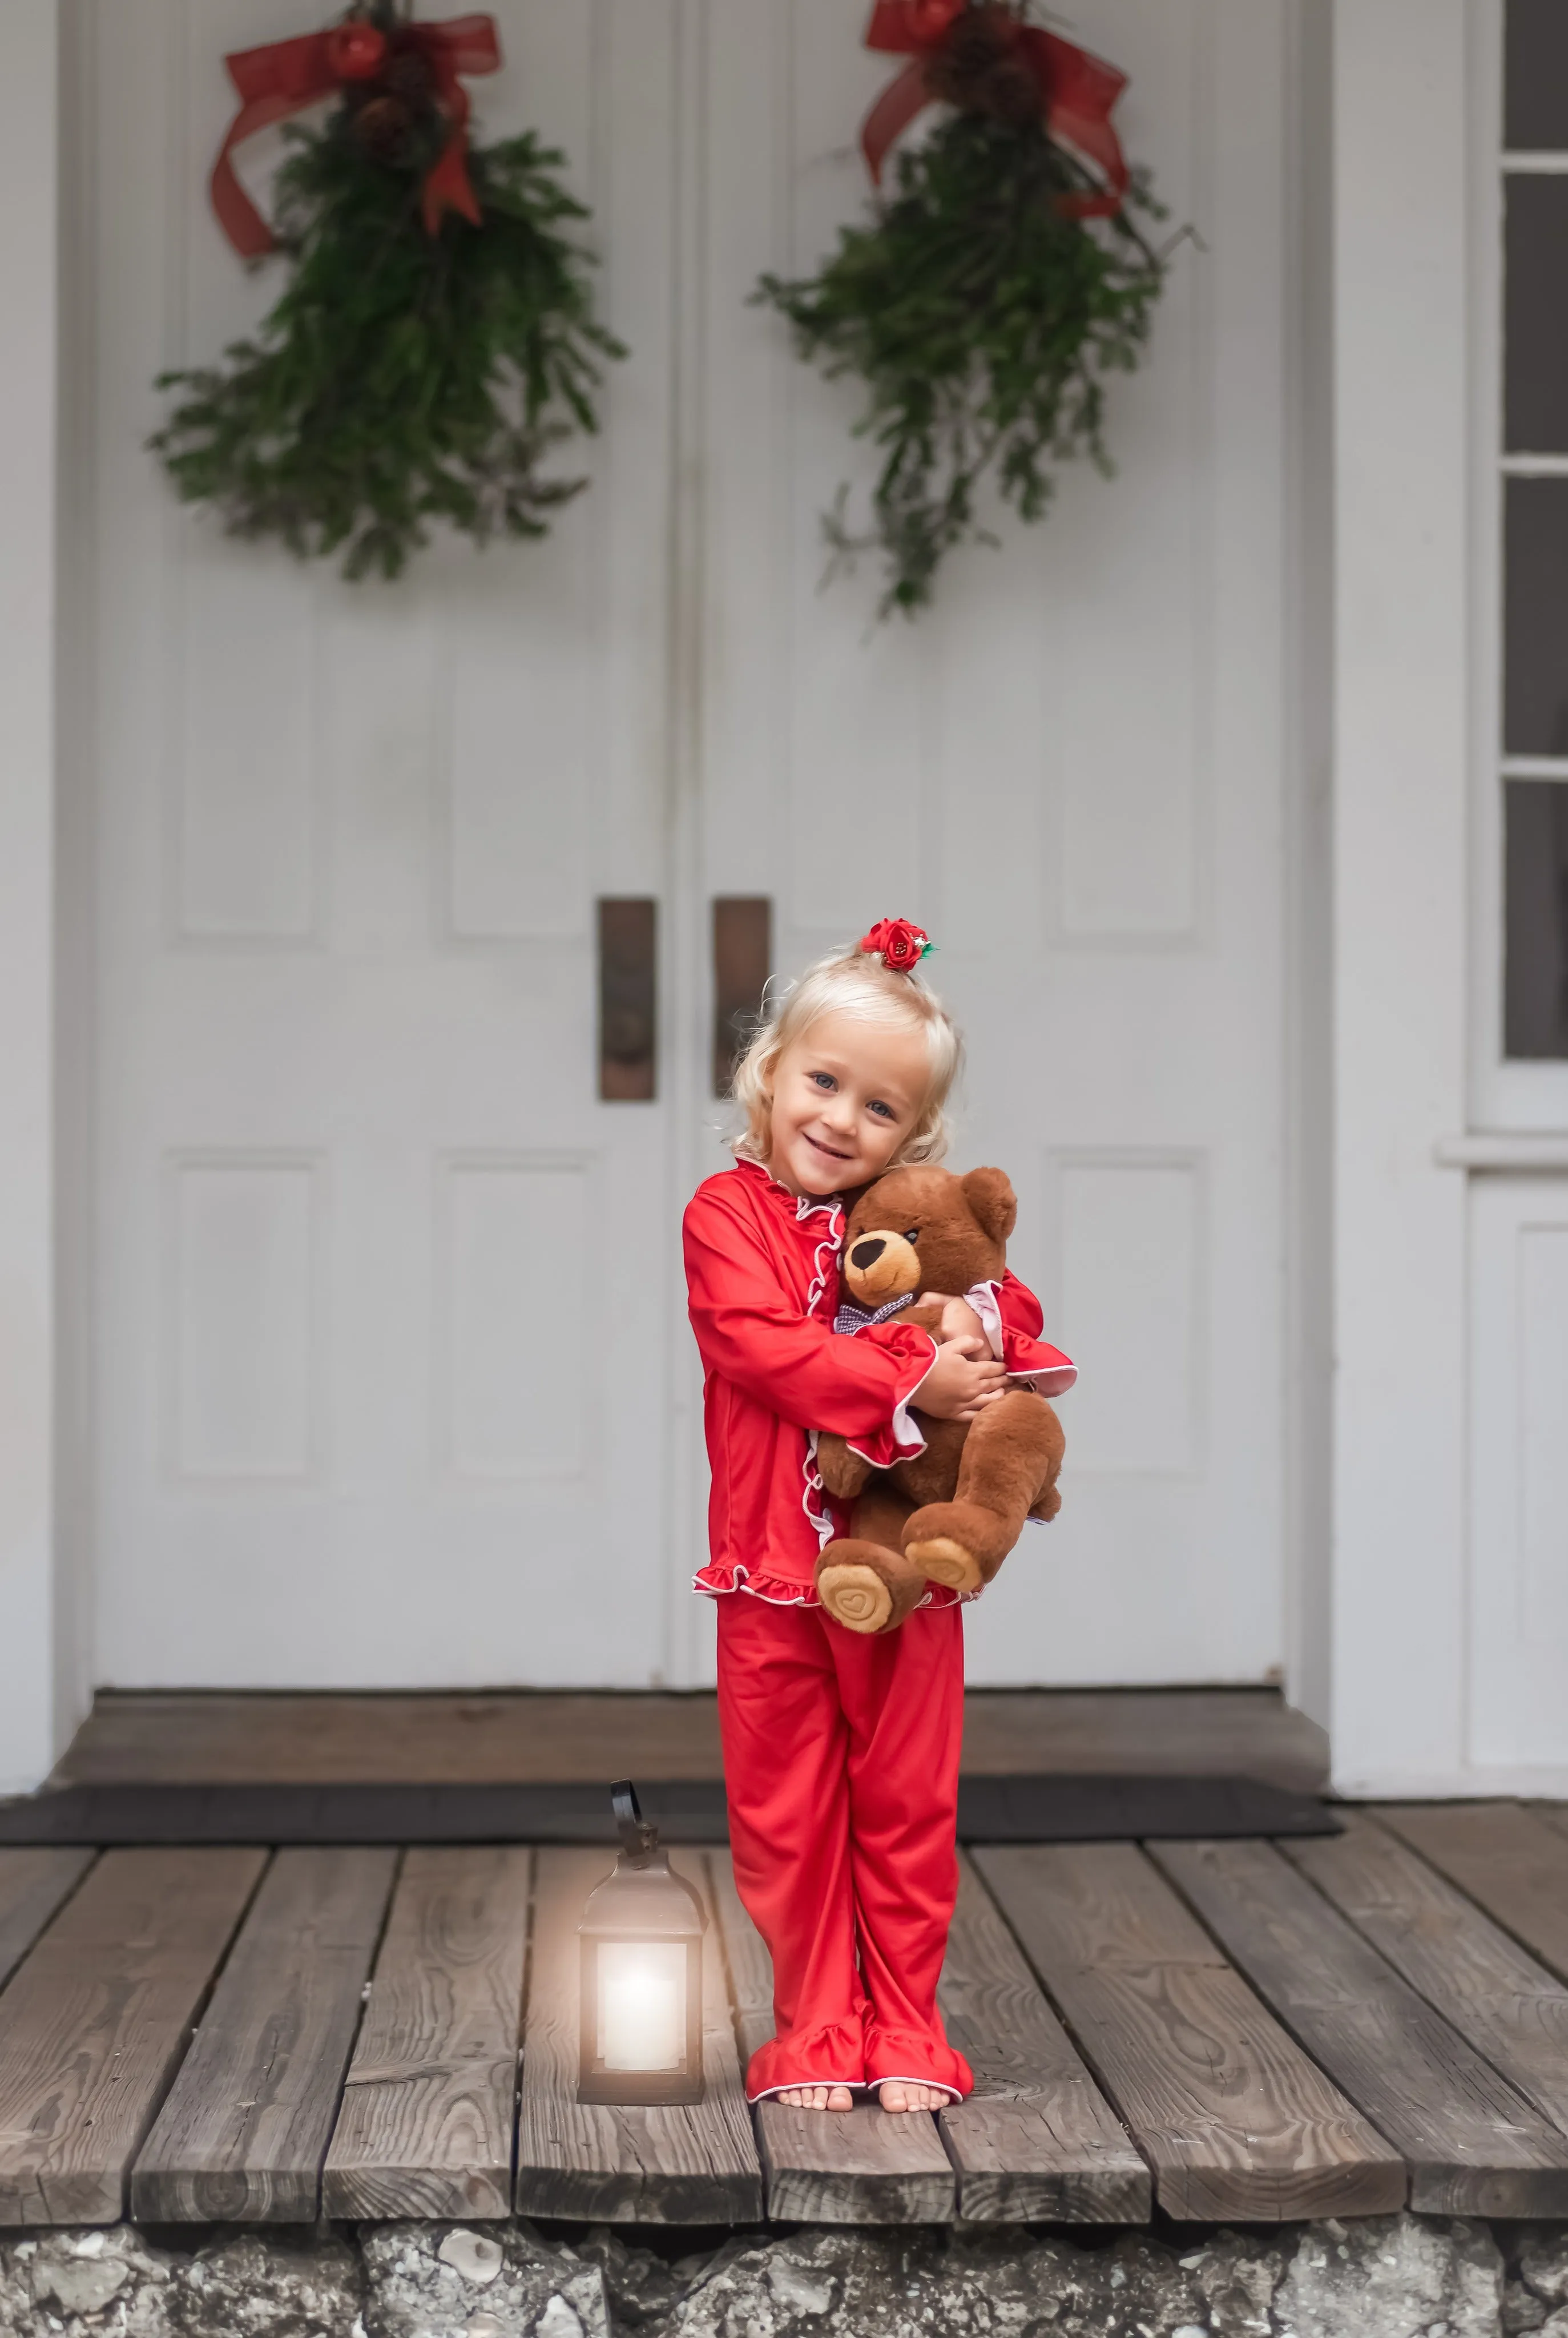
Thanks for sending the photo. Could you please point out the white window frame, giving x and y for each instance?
(1519, 1095)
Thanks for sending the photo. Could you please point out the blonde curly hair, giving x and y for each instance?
(855, 983)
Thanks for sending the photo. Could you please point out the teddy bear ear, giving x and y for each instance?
(992, 1201)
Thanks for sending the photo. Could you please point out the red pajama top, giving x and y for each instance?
(762, 1279)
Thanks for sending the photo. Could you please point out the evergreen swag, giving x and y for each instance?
(404, 376)
(980, 314)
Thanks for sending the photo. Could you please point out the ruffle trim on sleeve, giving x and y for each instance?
(722, 1577)
(898, 1439)
(779, 1590)
(1051, 1374)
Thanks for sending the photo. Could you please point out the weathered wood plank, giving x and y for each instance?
(246, 2126)
(1511, 1861)
(1473, 2146)
(32, 1884)
(870, 2167)
(425, 2124)
(1232, 2116)
(95, 2023)
(680, 2164)
(1509, 2007)
(863, 2166)
(1036, 2142)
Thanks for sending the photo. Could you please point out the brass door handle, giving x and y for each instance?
(742, 961)
(628, 999)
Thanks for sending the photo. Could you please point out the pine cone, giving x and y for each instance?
(407, 75)
(983, 67)
(384, 125)
(391, 111)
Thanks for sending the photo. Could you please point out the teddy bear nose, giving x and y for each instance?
(866, 1253)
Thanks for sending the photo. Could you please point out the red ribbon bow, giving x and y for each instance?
(1077, 94)
(289, 75)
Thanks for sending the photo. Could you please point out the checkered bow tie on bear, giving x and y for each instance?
(852, 1317)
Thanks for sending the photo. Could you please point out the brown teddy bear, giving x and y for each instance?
(951, 1514)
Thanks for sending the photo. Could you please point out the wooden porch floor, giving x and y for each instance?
(1252, 2030)
(1245, 2030)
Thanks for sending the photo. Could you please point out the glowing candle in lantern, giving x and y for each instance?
(641, 1975)
(641, 2004)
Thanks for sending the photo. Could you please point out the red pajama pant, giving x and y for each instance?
(841, 1767)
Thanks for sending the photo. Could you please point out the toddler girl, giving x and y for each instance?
(840, 1750)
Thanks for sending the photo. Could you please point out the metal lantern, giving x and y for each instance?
(641, 1967)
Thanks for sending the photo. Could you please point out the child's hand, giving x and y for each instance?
(958, 1386)
(959, 1320)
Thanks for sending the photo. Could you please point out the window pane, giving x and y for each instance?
(1536, 328)
(1536, 616)
(1536, 109)
(1535, 981)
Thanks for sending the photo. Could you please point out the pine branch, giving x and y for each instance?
(982, 319)
(401, 377)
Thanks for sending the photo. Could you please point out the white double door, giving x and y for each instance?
(392, 1383)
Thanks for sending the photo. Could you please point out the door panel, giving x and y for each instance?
(1519, 1472)
(1071, 772)
(380, 1276)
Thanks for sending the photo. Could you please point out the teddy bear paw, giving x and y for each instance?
(855, 1596)
(940, 1559)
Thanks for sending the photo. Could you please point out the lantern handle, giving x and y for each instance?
(639, 1836)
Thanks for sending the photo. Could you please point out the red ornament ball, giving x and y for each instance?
(356, 51)
(932, 18)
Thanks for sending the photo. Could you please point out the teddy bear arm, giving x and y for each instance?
(1005, 1468)
(843, 1471)
(1048, 1502)
(1012, 1458)
(932, 1476)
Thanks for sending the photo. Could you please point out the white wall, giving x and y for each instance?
(75, 911)
(1308, 848)
(1380, 1642)
(35, 1685)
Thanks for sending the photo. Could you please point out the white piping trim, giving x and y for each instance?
(809, 1598)
(811, 1499)
(832, 1242)
(824, 1267)
(742, 1583)
(904, 1429)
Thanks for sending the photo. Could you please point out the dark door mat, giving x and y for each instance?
(1063, 1809)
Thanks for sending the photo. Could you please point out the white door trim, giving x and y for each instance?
(1401, 257)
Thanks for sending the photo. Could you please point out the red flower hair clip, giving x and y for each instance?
(898, 943)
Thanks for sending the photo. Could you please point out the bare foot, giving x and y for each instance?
(911, 2094)
(816, 2098)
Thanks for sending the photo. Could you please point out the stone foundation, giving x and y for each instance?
(1381, 2277)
